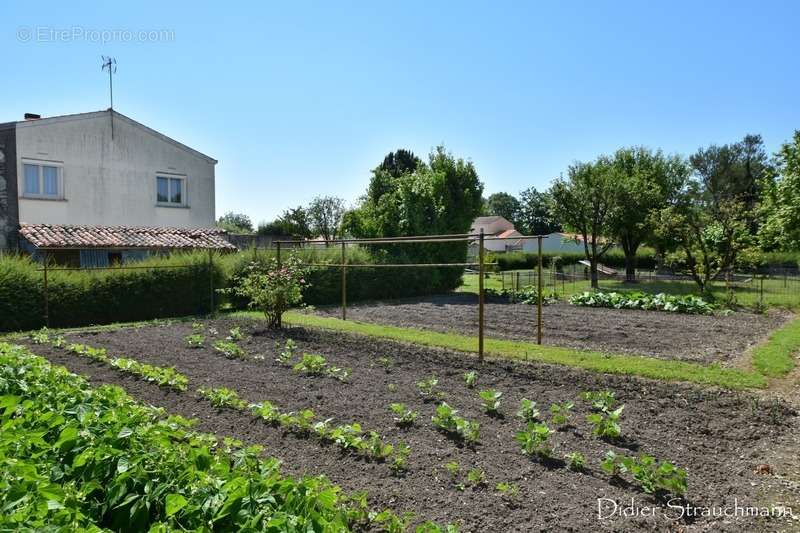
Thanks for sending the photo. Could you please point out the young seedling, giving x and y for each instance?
(59, 342)
(197, 327)
(471, 378)
(655, 477)
(311, 364)
(391, 387)
(400, 458)
(600, 400)
(452, 468)
(575, 461)
(386, 362)
(427, 388)
(508, 490)
(404, 417)
(527, 410)
(491, 401)
(286, 356)
(611, 464)
(446, 420)
(560, 413)
(533, 440)
(378, 449)
(41, 337)
(223, 397)
(476, 477)
(606, 424)
(341, 374)
(195, 340)
(229, 349)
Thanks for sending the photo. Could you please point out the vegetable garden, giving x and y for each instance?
(494, 447)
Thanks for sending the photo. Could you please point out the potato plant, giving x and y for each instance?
(287, 354)
(427, 389)
(600, 400)
(653, 477)
(575, 461)
(40, 337)
(195, 340)
(605, 424)
(446, 420)
(223, 397)
(98, 354)
(235, 334)
(560, 413)
(399, 462)
(162, 376)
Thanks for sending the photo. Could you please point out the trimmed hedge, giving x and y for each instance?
(79, 298)
(613, 258)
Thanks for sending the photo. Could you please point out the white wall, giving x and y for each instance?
(556, 243)
(112, 182)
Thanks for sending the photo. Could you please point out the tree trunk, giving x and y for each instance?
(593, 273)
(630, 268)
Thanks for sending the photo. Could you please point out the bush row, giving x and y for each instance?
(79, 298)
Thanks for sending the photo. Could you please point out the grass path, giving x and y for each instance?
(590, 360)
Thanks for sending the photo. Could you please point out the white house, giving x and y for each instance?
(500, 231)
(100, 170)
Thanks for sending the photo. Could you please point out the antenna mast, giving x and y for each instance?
(110, 64)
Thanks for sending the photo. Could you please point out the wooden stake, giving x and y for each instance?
(344, 283)
(480, 297)
(46, 294)
(539, 299)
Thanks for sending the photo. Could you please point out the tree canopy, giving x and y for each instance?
(235, 223)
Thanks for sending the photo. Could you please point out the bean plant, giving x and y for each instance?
(427, 388)
(491, 401)
(575, 461)
(534, 440)
(310, 363)
(404, 417)
(528, 410)
(560, 413)
(605, 424)
(235, 334)
(287, 354)
(446, 420)
(471, 379)
(195, 340)
(400, 459)
(223, 397)
(229, 349)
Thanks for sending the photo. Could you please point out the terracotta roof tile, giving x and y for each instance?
(71, 236)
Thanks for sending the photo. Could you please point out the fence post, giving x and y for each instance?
(46, 294)
(278, 252)
(344, 282)
(210, 281)
(761, 292)
(539, 299)
(480, 297)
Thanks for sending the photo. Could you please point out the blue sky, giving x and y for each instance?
(297, 99)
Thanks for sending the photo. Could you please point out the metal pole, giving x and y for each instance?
(344, 283)
(46, 295)
(480, 297)
(539, 299)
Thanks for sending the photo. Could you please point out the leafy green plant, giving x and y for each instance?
(98, 354)
(391, 387)
(453, 469)
(427, 388)
(266, 411)
(471, 379)
(655, 477)
(605, 424)
(400, 458)
(575, 461)
(611, 464)
(287, 354)
(528, 410)
(476, 477)
(603, 400)
(508, 490)
(235, 334)
(163, 376)
(40, 337)
(59, 341)
(491, 400)
(386, 362)
(560, 413)
(229, 349)
(534, 440)
(446, 420)
(195, 340)
(403, 416)
(378, 449)
(313, 364)
(223, 397)
(342, 374)
(642, 300)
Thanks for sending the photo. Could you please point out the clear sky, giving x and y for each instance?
(297, 99)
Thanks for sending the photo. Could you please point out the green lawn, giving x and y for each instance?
(777, 292)
(776, 357)
(498, 348)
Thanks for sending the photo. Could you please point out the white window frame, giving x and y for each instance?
(184, 189)
(58, 165)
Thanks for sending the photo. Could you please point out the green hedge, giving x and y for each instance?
(613, 258)
(79, 298)
(363, 283)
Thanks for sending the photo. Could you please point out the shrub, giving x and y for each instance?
(271, 288)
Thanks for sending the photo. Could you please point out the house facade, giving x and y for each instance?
(99, 169)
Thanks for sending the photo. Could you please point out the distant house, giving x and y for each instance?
(97, 188)
(496, 226)
(558, 242)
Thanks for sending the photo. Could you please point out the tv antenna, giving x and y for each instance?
(110, 64)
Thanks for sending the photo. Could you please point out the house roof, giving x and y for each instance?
(55, 236)
(93, 114)
(509, 233)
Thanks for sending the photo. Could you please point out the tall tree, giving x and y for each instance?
(325, 216)
(235, 223)
(535, 213)
(504, 205)
(647, 181)
(294, 222)
(587, 202)
(780, 208)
